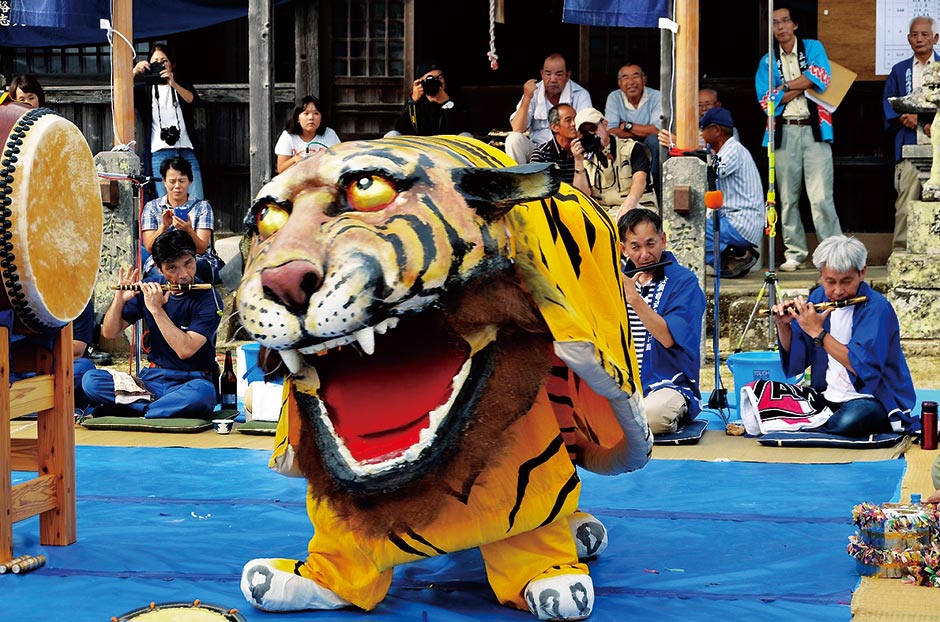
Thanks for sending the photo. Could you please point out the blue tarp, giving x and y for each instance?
(40, 23)
(627, 13)
(689, 541)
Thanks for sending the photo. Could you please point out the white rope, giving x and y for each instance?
(119, 145)
(491, 55)
(672, 80)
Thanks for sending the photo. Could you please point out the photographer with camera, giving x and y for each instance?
(616, 170)
(430, 110)
(166, 109)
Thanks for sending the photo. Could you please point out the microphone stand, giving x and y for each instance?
(718, 400)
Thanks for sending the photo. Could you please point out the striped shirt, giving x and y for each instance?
(637, 329)
(742, 190)
(552, 152)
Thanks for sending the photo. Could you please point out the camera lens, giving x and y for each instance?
(432, 85)
(590, 142)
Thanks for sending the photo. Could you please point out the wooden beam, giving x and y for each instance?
(261, 92)
(307, 52)
(686, 73)
(56, 448)
(6, 458)
(122, 59)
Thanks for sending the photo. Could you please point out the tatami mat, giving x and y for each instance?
(207, 439)
(716, 445)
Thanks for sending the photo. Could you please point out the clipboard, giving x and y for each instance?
(840, 80)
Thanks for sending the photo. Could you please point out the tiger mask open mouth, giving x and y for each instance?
(366, 276)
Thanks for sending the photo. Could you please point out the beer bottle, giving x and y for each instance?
(228, 385)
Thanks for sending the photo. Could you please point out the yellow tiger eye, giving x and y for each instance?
(270, 219)
(370, 193)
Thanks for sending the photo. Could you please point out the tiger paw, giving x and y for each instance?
(590, 535)
(273, 585)
(561, 597)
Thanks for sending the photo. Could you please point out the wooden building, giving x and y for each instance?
(358, 57)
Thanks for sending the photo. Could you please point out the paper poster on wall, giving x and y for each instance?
(893, 19)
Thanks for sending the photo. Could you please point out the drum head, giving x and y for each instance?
(181, 612)
(51, 225)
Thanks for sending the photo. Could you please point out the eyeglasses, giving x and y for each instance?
(782, 21)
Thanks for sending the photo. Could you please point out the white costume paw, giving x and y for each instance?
(590, 535)
(269, 585)
(562, 597)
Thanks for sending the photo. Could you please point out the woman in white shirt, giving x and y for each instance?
(306, 132)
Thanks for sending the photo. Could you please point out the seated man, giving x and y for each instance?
(616, 171)
(857, 365)
(531, 114)
(665, 306)
(182, 324)
(742, 218)
(564, 147)
(83, 330)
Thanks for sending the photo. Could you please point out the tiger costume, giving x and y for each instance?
(492, 354)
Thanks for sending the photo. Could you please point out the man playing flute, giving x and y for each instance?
(180, 381)
(854, 352)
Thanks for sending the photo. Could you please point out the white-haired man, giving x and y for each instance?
(854, 352)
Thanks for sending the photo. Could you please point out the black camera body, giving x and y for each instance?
(152, 75)
(170, 135)
(432, 85)
(592, 147)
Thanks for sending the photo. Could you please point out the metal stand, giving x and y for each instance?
(771, 287)
(718, 400)
(138, 182)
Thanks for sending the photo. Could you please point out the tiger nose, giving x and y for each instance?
(291, 284)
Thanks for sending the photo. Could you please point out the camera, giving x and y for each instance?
(170, 135)
(593, 147)
(152, 75)
(432, 85)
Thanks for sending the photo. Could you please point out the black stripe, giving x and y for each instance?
(525, 471)
(463, 495)
(560, 399)
(560, 371)
(425, 542)
(404, 546)
(563, 495)
(567, 238)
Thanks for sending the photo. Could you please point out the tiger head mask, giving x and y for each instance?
(362, 267)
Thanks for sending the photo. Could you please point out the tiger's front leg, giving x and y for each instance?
(539, 571)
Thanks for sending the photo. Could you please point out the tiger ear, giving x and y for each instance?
(493, 191)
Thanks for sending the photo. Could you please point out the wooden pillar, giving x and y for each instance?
(686, 74)
(260, 92)
(122, 59)
(307, 42)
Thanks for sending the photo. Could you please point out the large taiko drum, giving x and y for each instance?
(51, 224)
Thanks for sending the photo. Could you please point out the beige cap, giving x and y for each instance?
(588, 115)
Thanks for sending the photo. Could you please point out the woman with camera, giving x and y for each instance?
(166, 109)
(306, 133)
(430, 110)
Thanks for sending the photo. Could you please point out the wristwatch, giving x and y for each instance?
(628, 126)
(784, 87)
(818, 339)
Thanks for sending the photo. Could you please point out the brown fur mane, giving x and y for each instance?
(523, 361)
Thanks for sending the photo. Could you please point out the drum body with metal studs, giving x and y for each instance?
(50, 218)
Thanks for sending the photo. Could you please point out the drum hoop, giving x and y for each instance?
(7, 258)
(231, 615)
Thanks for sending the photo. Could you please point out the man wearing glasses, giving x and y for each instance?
(802, 134)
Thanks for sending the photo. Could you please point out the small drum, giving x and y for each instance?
(181, 612)
(51, 220)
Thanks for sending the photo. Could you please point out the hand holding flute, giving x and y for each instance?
(819, 306)
(167, 287)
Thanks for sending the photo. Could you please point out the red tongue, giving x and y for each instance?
(379, 404)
